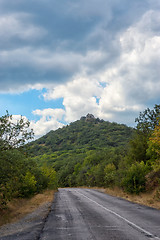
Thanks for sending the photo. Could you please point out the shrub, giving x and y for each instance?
(110, 175)
(135, 181)
(28, 186)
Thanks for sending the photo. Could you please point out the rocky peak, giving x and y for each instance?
(90, 117)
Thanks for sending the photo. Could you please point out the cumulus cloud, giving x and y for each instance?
(80, 97)
(134, 81)
(131, 82)
(50, 119)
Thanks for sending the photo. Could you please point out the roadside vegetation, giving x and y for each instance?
(20, 177)
(98, 153)
(89, 152)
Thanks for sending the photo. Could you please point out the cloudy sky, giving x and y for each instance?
(60, 60)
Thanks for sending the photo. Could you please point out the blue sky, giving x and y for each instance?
(60, 60)
(24, 103)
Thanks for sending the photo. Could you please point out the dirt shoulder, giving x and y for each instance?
(150, 199)
(25, 218)
(19, 208)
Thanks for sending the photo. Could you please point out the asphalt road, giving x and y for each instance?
(81, 214)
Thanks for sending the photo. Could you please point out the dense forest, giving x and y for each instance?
(88, 152)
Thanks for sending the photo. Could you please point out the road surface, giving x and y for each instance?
(81, 214)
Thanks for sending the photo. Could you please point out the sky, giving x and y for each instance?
(60, 60)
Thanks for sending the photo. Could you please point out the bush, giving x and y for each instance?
(50, 176)
(110, 175)
(135, 181)
(28, 186)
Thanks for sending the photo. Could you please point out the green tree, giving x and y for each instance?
(134, 180)
(51, 177)
(154, 148)
(148, 119)
(13, 133)
(12, 168)
(28, 186)
(12, 164)
(110, 175)
(146, 122)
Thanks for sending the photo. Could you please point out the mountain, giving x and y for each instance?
(94, 152)
(88, 132)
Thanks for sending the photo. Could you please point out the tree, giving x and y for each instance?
(138, 146)
(110, 175)
(154, 148)
(146, 123)
(28, 186)
(13, 133)
(155, 139)
(135, 179)
(12, 162)
(50, 175)
(148, 119)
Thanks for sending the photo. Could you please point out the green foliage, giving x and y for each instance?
(134, 180)
(28, 186)
(154, 148)
(138, 146)
(110, 175)
(19, 175)
(95, 176)
(50, 176)
(12, 164)
(85, 153)
(13, 133)
(80, 167)
(148, 119)
(99, 153)
(11, 168)
(82, 135)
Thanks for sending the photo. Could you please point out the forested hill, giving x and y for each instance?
(88, 132)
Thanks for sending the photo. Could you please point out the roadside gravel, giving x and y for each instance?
(29, 227)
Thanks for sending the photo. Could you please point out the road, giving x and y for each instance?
(81, 214)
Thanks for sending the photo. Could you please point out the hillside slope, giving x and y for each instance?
(88, 132)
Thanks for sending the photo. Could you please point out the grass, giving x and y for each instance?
(18, 208)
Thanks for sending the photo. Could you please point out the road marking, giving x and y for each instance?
(148, 234)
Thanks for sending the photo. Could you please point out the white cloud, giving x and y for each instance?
(132, 81)
(16, 118)
(80, 97)
(49, 120)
